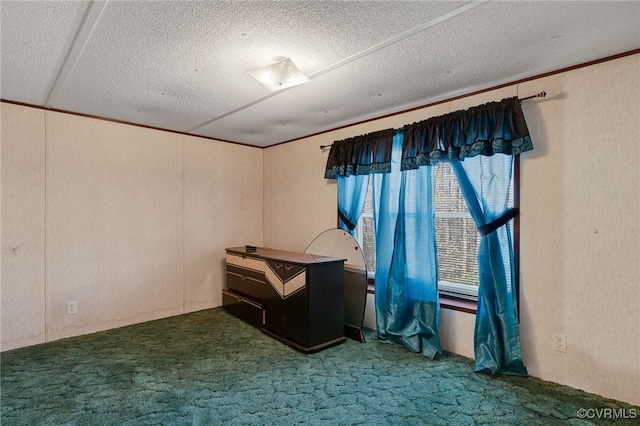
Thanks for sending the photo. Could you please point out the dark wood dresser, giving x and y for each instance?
(297, 298)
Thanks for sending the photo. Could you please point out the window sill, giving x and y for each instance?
(446, 302)
(455, 304)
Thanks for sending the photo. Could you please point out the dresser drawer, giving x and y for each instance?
(246, 285)
(247, 273)
(249, 283)
(245, 262)
(236, 260)
(255, 264)
(243, 308)
(284, 271)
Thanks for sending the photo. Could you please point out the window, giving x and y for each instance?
(457, 238)
(365, 232)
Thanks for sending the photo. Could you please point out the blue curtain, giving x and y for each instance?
(407, 308)
(386, 188)
(352, 193)
(485, 185)
(480, 143)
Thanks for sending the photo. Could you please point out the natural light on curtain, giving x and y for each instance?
(485, 185)
(480, 143)
(350, 162)
(406, 282)
(352, 193)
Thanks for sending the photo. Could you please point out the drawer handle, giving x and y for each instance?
(288, 267)
(278, 265)
(244, 277)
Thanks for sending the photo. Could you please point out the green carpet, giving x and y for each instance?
(209, 368)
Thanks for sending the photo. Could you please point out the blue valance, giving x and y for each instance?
(360, 155)
(492, 128)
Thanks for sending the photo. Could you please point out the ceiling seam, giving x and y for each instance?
(240, 108)
(89, 21)
(393, 40)
(431, 23)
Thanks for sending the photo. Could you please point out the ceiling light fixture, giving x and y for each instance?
(279, 75)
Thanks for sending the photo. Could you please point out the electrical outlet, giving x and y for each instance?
(72, 307)
(559, 342)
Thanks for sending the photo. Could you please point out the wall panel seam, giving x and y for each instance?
(46, 117)
(182, 220)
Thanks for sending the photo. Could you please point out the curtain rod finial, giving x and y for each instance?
(538, 95)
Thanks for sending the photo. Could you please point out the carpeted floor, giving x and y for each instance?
(208, 368)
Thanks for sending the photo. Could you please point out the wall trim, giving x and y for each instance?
(536, 77)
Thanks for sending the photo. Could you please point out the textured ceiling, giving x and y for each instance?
(181, 65)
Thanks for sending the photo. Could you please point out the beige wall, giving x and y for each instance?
(129, 222)
(132, 223)
(222, 208)
(580, 251)
(22, 293)
(580, 222)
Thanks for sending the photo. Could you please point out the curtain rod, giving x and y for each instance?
(537, 95)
